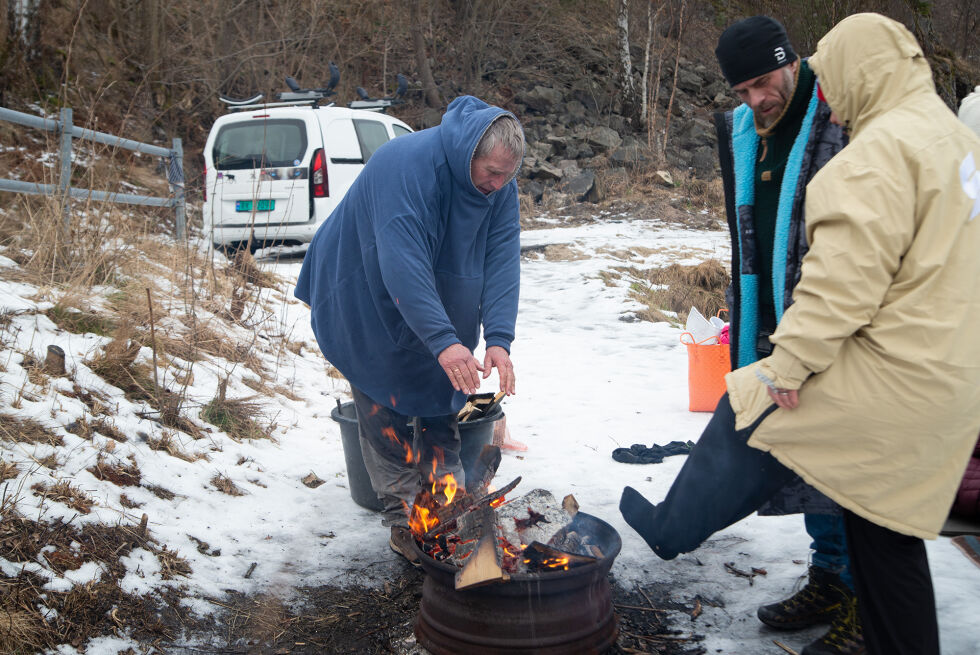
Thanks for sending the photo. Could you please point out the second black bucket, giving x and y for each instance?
(474, 435)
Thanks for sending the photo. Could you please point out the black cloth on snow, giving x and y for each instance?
(640, 454)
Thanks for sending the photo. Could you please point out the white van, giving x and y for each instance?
(274, 174)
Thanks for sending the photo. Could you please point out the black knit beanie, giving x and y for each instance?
(753, 47)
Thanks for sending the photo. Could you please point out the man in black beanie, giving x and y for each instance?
(769, 148)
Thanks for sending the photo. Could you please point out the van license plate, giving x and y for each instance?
(260, 205)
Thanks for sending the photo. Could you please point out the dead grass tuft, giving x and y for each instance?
(8, 470)
(84, 429)
(22, 631)
(118, 473)
(172, 564)
(160, 492)
(63, 492)
(94, 400)
(167, 443)
(234, 416)
(27, 430)
(77, 321)
(244, 267)
(225, 485)
(128, 502)
(677, 288)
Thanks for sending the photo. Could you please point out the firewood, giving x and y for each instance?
(570, 505)
(541, 557)
(483, 564)
(484, 469)
(449, 514)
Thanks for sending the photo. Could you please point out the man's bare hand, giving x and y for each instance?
(785, 398)
(498, 357)
(461, 367)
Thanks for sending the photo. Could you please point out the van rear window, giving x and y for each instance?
(259, 144)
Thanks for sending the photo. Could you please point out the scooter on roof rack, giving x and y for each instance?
(295, 96)
(380, 104)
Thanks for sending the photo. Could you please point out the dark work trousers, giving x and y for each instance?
(894, 589)
(723, 481)
(400, 453)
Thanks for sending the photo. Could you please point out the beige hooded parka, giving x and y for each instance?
(883, 337)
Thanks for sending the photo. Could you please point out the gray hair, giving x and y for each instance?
(505, 130)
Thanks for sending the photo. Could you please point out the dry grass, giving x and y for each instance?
(677, 288)
(27, 430)
(235, 417)
(78, 321)
(118, 473)
(94, 400)
(226, 485)
(84, 429)
(8, 470)
(172, 564)
(167, 443)
(63, 492)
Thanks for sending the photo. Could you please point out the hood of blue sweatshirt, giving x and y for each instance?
(413, 260)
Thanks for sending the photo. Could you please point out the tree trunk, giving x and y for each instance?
(628, 93)
(422, 59)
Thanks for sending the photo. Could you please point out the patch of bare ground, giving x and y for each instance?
(27, 430)
(226, 485)
(64, 492)
(690, 202)
(676, 288)
(36, 618)
(376, 621)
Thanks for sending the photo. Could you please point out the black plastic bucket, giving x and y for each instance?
(474, 435)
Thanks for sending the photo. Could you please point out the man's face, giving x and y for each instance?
(493, 171)
(768, 94)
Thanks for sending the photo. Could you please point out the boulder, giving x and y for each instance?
(534, 189)
(542, 170)
(583, 187)
(542, 99)
(603, 139)
(689, 81)
(704, 162)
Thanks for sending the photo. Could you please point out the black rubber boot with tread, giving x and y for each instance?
(817, 602)
(844, 636)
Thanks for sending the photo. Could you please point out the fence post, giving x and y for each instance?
(176, 175)
(64, 181)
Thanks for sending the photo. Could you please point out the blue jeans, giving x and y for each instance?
(829, 544)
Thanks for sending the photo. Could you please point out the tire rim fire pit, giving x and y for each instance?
(560, 612)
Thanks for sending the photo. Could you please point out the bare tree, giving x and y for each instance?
(627, 90)
(422, 58)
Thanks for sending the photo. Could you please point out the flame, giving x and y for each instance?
(409, 456)
(374, 409)
(420, 521)
(451, 487)
(390, 433)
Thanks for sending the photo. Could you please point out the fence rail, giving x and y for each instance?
(67, 132)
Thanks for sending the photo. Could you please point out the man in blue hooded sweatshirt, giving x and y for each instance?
(422, 251)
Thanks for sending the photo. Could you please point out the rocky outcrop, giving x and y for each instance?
(574, 136)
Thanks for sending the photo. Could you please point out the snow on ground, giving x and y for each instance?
(590, 378)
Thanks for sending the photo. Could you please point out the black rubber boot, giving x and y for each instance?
(818, 601)
(844, 637)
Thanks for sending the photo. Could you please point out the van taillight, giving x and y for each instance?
(318, 175)
(205, 183)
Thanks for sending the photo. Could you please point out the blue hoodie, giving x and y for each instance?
(413, 260)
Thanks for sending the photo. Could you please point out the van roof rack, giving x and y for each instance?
(380, 104)
(296, 96)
